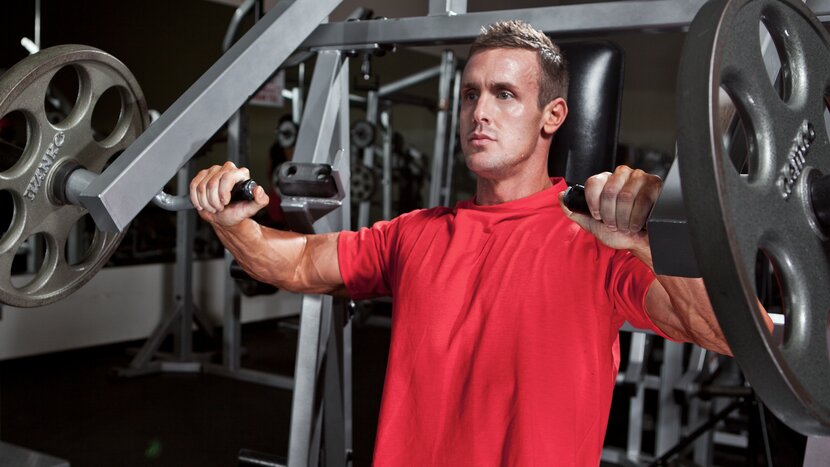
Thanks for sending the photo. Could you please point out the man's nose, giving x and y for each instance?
(481, 111)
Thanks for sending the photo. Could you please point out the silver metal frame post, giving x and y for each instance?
(321, 404)
(439, 154)
(232, 332)
(183, 288)
(699, 410)
(386, 179)
(368, 154)
(636, 359)
(38, 10)
(298, 95)
(456, 103)
(668, 416)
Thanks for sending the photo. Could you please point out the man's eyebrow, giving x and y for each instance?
(502, 85)
(495, 85)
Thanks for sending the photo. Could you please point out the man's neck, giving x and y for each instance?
(497, 191)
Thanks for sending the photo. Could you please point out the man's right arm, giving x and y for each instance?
(288, 260)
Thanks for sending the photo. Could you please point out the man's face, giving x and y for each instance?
(501, 122)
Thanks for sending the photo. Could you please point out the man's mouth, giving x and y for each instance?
(480, 138)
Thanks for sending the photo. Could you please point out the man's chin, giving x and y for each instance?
(482, 167)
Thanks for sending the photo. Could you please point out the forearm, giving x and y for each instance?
(680, 307)
(620, 204)
(693, 319)
(288, 260)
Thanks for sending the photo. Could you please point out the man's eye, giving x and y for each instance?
(505, 95)
(470, 96)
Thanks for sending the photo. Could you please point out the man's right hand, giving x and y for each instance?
(210, 192)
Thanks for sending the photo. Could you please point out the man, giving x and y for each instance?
(505, 313)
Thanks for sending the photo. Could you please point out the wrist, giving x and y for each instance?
(239, 232)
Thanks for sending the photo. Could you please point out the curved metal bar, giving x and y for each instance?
(238, 15)
(170, 202)
(80, 179)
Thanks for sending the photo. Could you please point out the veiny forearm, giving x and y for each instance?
(291, 261)
(680, 307)
(690, 314)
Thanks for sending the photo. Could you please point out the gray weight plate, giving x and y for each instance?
(363, 134)
(734, 216)
(36, 211)
(363, 183)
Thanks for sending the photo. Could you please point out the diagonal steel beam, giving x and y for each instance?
(120, 192)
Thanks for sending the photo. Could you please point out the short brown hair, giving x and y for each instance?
(515, 34)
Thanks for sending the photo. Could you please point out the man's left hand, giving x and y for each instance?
(620, 203)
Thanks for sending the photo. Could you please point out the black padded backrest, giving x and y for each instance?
(586, 144)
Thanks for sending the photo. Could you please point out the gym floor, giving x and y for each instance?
(70, 405)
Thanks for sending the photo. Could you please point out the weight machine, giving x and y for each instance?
(446, 127)
(320, 422)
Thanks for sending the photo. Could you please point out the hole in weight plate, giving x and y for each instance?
(61, 95)
(106, 114)
(30, 256)
(770, 294)
(7, 210)
(14, 136)
(80, 240)
(734, 142)
(778, 68)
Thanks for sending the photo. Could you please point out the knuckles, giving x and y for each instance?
(626, 196)
(212, 184)
(633, 188)
(608, 194)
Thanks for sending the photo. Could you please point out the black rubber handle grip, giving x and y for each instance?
(243, 191)
(575, 199)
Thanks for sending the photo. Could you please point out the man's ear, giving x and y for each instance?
(554, 115)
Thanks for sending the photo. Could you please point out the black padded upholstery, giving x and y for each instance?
(586, 143)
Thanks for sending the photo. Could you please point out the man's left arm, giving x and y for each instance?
(620, 203)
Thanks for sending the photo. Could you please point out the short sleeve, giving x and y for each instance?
(364, 258)
(628, 282)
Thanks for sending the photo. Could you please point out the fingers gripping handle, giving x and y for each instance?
(574, 199)
(242, 191)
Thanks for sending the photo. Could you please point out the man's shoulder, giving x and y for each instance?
(412, 219)
(426, 214)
